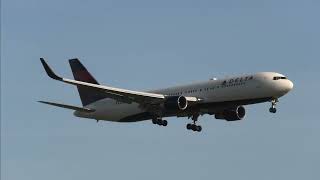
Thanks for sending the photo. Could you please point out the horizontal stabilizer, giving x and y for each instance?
(81, 109)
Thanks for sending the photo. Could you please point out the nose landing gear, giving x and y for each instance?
(194, 126)
(273, 108)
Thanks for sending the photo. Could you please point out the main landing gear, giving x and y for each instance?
(160, 122)
(273, 108)
(194, 126)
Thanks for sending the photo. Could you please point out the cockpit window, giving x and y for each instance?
(279, 77)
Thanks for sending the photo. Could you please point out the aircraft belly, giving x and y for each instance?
(116, 113)
(108, 111)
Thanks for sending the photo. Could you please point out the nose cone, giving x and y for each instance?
(287, 87)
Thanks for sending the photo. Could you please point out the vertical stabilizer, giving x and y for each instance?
(80, 73)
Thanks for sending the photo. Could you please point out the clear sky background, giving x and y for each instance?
(147, 44)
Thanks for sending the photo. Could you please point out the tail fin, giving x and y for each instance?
(80, 73)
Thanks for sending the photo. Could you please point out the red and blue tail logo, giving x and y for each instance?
(80, 73)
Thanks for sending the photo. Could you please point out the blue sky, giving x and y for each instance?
(151, 44)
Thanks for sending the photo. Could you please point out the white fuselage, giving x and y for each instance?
(247, 88)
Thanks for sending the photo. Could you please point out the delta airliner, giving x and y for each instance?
(224, 98)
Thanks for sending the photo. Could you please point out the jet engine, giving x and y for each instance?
(233, 114)
(176, 103)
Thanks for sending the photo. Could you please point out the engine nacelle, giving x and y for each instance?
(233, 114)
(176, 103)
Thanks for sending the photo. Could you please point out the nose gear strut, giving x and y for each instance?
(273, 108)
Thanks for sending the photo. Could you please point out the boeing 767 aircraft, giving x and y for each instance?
(223, 98)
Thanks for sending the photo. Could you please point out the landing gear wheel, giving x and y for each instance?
(194, 126)
(160, 122)
(198, 128)
(155, 121)
(164, 123)
(273, 110)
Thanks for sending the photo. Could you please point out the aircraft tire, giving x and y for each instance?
(154, 121)
(273, 110)
(198, 128)
(164, 123)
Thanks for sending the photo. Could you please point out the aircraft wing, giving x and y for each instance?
(123, 95)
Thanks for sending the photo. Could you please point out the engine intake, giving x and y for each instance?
(176, 103)
(233, 114)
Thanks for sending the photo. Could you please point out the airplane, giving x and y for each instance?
(224, 98)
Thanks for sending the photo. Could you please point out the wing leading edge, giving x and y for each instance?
(123, 95)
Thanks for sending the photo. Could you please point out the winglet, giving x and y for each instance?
(49, 70)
